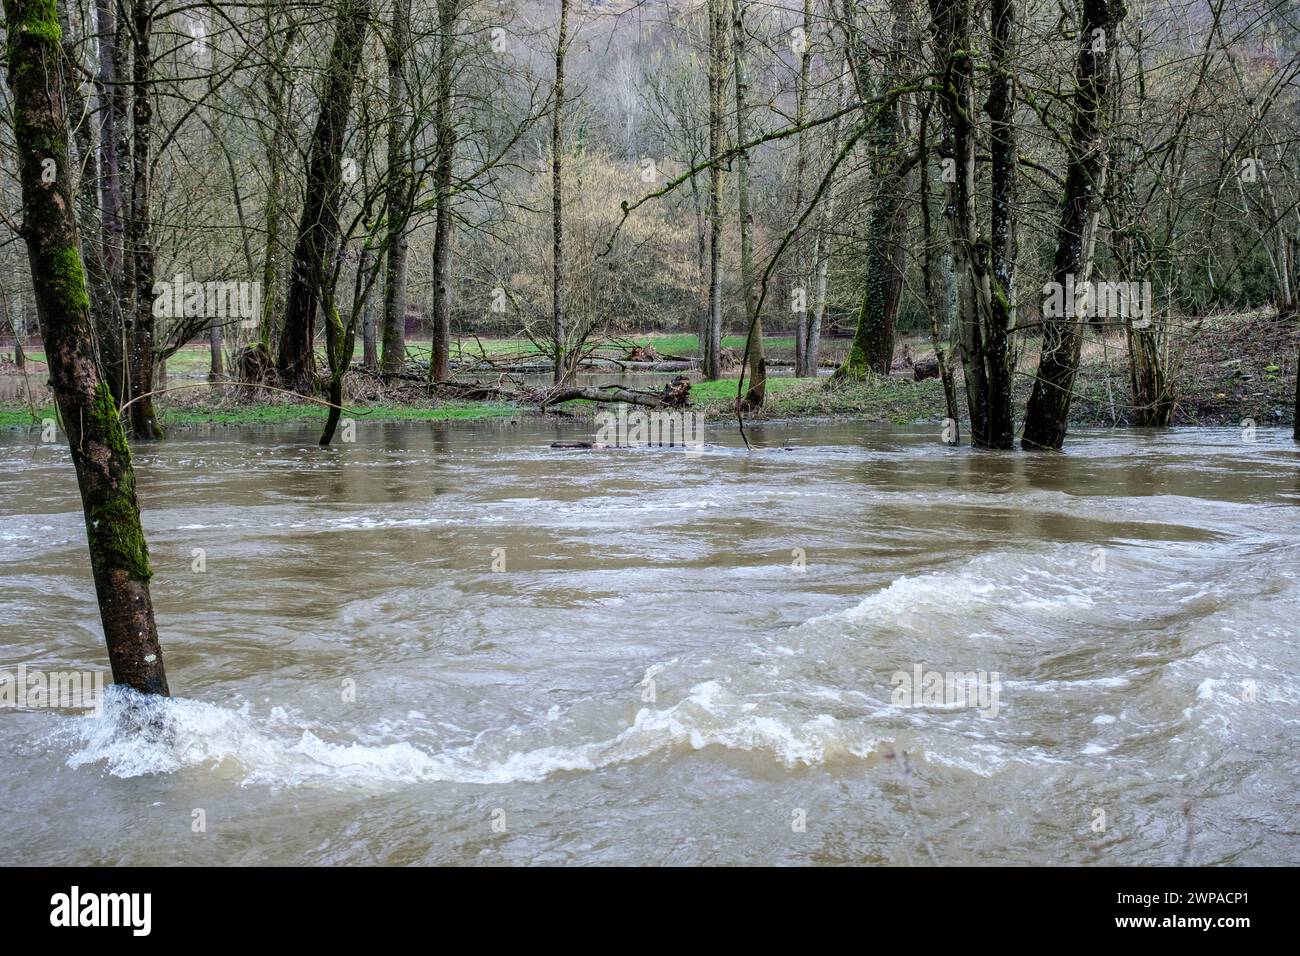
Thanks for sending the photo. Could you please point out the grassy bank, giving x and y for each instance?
(895, 400)
(878, 399)
(1230, 370)
(254, 413)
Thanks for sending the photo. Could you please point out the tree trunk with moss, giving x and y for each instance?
(983, 274)
(950, 40)
(318, 228)
(754, 343)
(340, 340)
(872, 349)
(96, 440)
(1048, 413)
(711, 333)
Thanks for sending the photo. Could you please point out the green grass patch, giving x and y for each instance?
(881, 399)
(723, 391)
(20, 416)
(876, 398)
(310, 412)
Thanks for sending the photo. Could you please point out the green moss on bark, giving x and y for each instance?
(1000, 294)
(49, 32)
(113, 523)
(35, 18)
(70, 280)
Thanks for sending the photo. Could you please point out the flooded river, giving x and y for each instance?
(449, 643)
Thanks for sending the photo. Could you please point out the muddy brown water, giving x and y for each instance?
(449, 643)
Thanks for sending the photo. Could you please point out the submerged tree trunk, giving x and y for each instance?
(339, 343)
(96, 441)
(1001, 110)
(754, 343)
(984, 275)
(318, 228)
(936, 298)
(1048, 412)
(399, 193)
(557, 202)
(951, 40)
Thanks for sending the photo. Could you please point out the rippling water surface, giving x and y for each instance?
(650, 656)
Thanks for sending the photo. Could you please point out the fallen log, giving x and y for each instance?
(604, 393)
(675, 394)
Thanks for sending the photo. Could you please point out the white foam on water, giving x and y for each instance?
(1021, 583)
(138, 736)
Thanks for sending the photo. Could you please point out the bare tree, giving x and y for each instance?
(754, 344)
(873, 340)
(711, 335)
(1047, 415)
(318, 226)
(562, 366)
(400, 185)
(445, 126)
